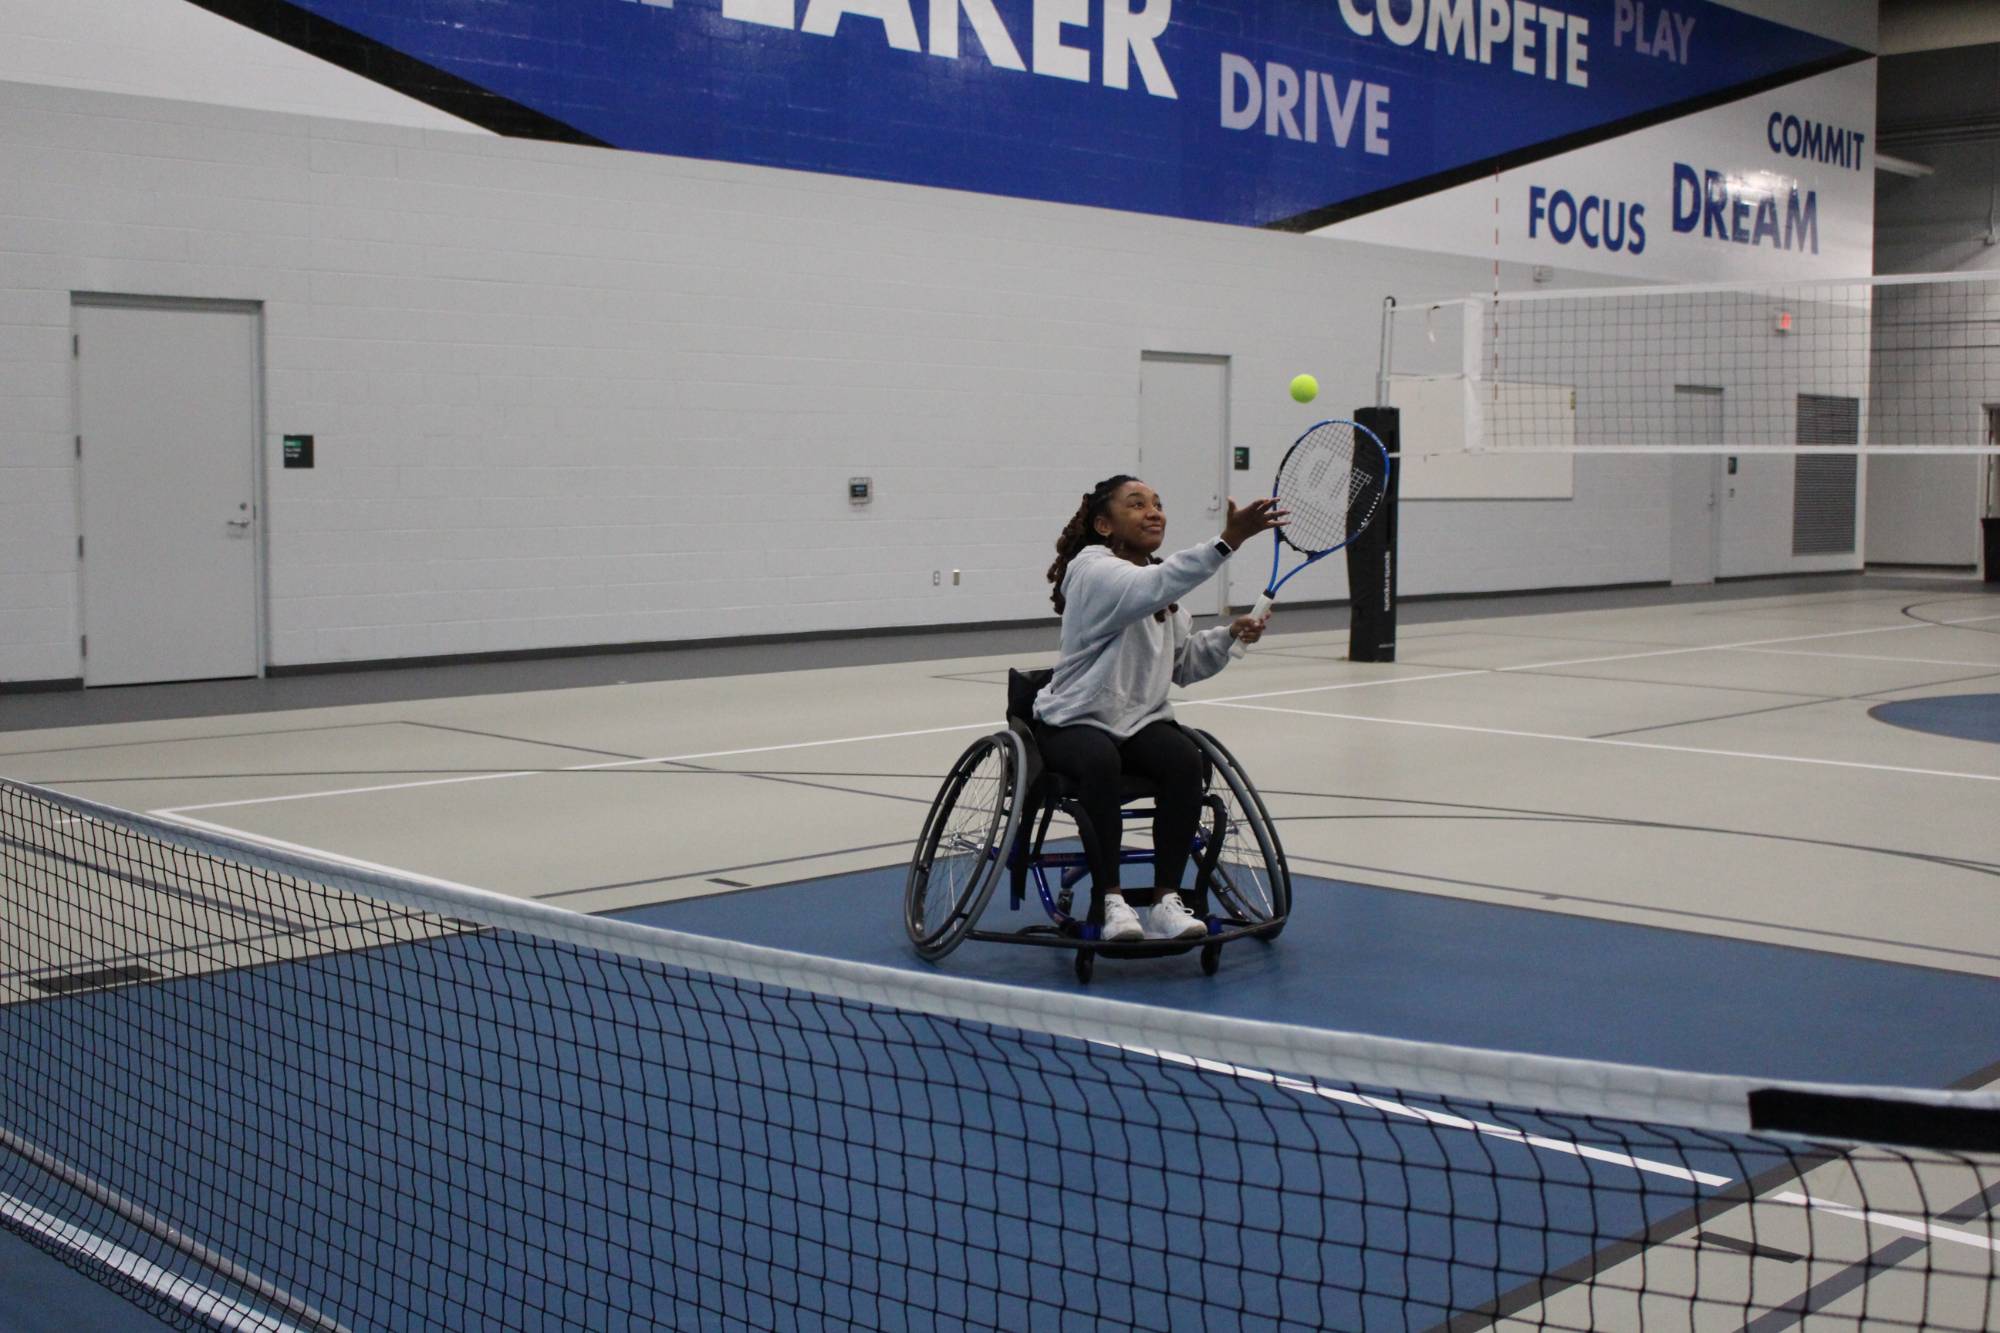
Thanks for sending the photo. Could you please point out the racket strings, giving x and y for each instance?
(1328, 497)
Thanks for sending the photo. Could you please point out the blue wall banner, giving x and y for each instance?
(1253, 112)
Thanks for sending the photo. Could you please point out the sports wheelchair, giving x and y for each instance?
(993, 813)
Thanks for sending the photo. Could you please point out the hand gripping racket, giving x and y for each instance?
(1332, 481)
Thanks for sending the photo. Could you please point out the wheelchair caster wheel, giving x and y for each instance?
(1086, 963)
(1211, 958)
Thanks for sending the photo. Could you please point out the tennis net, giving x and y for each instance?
(250, 1089)
(1890, 366)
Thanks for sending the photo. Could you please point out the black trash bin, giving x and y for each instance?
(1991, 527)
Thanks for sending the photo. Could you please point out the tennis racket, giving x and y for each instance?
(1331, 482)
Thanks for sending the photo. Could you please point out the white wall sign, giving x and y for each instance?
(1777, 185)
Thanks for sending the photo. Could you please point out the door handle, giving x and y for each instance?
(240, 524)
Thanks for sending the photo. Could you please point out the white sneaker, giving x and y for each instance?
(1120, 921)
(1170, 919)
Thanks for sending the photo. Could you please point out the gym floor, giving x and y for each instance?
(1743, 828)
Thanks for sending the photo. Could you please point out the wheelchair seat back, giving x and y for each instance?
(1022, 689)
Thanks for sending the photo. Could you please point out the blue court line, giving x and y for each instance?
(1967, 717)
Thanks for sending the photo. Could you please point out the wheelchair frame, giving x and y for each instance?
(1011, 836)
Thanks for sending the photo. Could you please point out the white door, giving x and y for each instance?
(167, 415)
(1183, 444)
(1694, 513)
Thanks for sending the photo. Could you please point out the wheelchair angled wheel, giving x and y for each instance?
(1250, 880)
(964, 843)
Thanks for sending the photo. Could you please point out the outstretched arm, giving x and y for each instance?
(1109, 593)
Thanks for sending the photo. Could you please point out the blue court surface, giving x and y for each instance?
(1429, 968)
(1969, 717)
(576, 1141)
(481, 1129)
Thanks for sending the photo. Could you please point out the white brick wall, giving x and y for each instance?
(1926, 510)
(567, 396)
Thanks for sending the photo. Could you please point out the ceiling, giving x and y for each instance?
(1908, 26)
(1938, 82)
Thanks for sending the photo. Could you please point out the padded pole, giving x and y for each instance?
(1371, 557)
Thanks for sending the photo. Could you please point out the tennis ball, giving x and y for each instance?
(1304, 388)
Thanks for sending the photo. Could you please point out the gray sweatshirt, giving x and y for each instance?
(1117, 661)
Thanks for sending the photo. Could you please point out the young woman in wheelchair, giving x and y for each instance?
(1125, 642)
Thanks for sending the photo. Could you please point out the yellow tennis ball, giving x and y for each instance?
(1304, 388)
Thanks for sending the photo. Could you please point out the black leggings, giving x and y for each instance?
(1095, 760)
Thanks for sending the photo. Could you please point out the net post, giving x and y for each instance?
(1472, 332)
(1371, 557)
(1989, 522)
(1845, 1116)
(1382, 369)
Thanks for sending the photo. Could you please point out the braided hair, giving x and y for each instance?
(1081, 531)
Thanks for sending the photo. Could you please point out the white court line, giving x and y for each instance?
(1864, 657)
(175, 811)
(211, 1306)
(1749, 643)
(1605, 740)
(1444, 1120)
(1869, 1215)
(1345, 685)
(301, 849)
(1612, 657)
(1441, 1119)
(1234, 699)
(572, 768)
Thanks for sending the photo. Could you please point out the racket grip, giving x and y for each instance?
(1257, 612)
